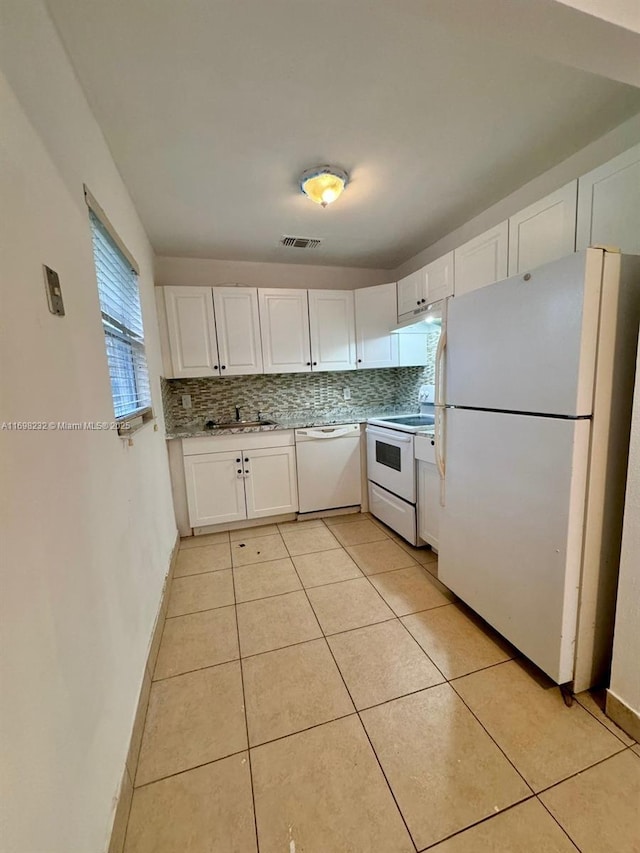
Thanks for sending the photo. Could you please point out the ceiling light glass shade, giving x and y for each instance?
(323, 184)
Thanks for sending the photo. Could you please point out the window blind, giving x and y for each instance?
(121, 322)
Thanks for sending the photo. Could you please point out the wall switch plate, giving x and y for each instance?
(54, 293)
(346, 393)
(186, 401)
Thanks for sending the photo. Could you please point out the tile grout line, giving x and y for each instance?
(555, 819)
(189, 769)
(246, 719)
(357, 713)
(582, 770)
(554, 784)
(478, 823)
(489, 735)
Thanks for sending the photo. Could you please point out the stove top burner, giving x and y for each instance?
(412, 420)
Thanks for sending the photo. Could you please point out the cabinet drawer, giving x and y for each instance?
(238, 441)
(425, 448)
(393, 511)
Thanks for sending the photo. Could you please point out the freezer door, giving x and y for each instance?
(511, 530)
(527, 344)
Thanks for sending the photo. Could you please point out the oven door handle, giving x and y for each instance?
(396, 436)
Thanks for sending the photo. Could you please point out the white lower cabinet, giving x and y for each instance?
(215, 488)
(428, 503)
(237, 477)
(270, 481)
(428, 490)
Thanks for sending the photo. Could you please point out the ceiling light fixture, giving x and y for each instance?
(323, 184)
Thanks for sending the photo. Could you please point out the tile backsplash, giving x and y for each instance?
(286, 394)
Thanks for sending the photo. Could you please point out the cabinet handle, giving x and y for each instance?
(315, 363)
(359, 361)
(246, 473)
(418, 302)
(239, 470)
(215, 366)
(238, 460)
(422, 300)
(308, 364)
(246, 458)
(224, 366)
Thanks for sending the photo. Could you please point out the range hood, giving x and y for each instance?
(421, 321)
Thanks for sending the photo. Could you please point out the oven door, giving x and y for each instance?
(390, 461)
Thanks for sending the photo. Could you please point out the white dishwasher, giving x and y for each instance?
(328, 467)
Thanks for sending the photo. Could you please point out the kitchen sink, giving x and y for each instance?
(237, 424)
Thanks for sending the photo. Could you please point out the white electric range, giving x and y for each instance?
(391, 467)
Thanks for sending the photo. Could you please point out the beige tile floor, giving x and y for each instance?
(318, 690)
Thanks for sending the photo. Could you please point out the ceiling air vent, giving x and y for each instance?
(300, 242)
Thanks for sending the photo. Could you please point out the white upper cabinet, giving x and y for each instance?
(284, 321)
(428, 284)
(609, 204)
(238, 330)
(482, 260)
(412, 292)
(192, 331)
(544, 231)
(376, 309)
(333, 329)
(439, 278)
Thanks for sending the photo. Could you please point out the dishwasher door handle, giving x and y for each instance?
(324, 433)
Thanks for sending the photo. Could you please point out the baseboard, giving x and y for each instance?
(274, 519)
(125, 794)
(623, 715)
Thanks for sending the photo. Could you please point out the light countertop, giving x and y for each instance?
(299, 421)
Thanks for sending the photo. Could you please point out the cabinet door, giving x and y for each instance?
(284, 322)
(215, 489)
(238, 330)
(609, 204)
(192, 331)
(412, 292)
(333, 329)
(482, 260)
(544, 231)
(270, 481)
(375, 316)
(428, 503)
(439, 278)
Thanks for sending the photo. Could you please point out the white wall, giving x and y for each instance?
(87, 522)
(209, 272)
(625, 673)
(613, 143)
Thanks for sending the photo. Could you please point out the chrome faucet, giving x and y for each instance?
(238, 413)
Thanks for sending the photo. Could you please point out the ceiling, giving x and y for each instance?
(212, 108)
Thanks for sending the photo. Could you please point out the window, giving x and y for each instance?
(121, 319)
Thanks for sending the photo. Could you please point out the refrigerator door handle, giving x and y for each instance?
(439, 377)
(438, 433)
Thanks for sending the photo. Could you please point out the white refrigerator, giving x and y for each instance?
(534, 405)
